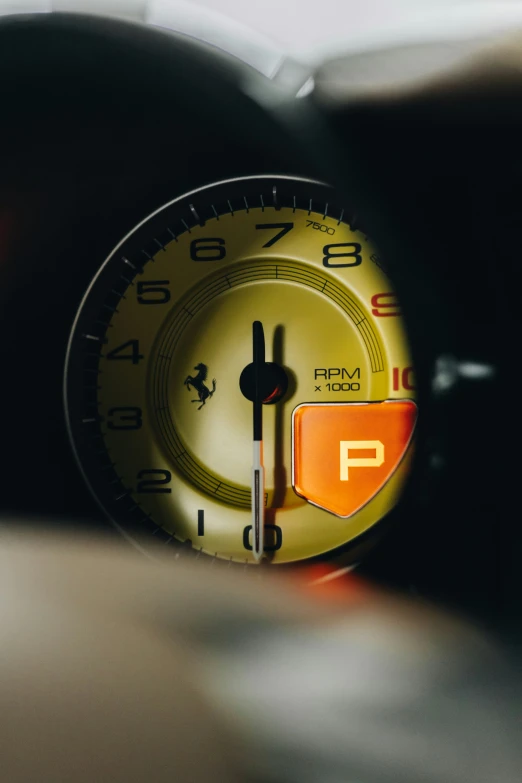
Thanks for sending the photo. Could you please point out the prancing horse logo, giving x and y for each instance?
(198, 383)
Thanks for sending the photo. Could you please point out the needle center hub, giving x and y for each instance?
(273, 382)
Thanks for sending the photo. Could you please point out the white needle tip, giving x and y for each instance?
(258, 503)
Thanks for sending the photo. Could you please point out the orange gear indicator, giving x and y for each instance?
(344, 453)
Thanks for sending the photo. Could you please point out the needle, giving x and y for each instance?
(258, 471)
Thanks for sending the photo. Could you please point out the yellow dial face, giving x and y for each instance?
(160, 416)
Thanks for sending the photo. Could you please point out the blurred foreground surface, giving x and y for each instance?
(117, 668)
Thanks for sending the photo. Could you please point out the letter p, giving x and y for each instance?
(347, 462)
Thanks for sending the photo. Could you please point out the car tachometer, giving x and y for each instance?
(162, 379)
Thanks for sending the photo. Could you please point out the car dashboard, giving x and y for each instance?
(104, 123)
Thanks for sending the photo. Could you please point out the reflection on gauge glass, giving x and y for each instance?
(163, 383)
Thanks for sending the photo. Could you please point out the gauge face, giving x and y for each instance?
(162, 379)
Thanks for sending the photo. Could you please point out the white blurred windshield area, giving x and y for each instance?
(310, 31)
(263, 34)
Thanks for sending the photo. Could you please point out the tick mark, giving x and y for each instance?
(193, 210)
